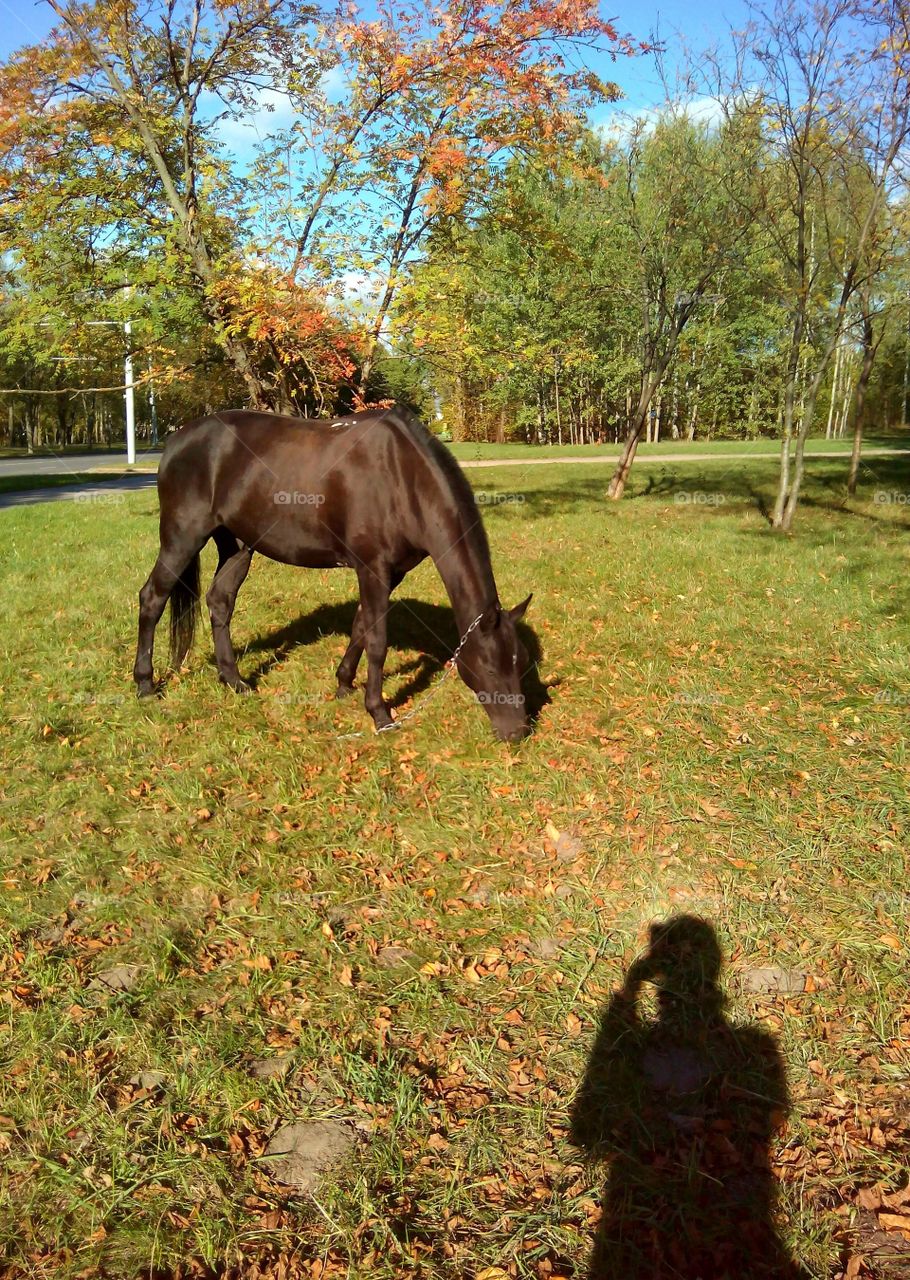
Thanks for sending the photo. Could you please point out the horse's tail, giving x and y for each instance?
(184, 608)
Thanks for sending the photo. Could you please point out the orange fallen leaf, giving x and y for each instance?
(896, 1222)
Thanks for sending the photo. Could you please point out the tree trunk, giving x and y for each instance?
(783, 484)
(617, 484)
(835, 384)
(789, 511)
(556, 394)
(860, 411)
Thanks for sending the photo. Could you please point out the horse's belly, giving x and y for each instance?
(306, 542)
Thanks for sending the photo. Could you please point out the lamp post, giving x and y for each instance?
(128, 397)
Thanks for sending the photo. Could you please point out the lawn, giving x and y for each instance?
(481, 451)
(423, 931)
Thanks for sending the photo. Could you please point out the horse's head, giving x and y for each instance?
(491, 664)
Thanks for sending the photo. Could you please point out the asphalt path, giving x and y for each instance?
(106, 490)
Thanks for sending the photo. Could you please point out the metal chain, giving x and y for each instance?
(430, 693)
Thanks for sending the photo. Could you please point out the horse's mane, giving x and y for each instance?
(451, 474)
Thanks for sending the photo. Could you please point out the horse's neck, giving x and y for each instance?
(466, 573)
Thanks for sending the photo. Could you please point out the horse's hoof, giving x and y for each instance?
(238, 686)
(146, 691)
(344, 691)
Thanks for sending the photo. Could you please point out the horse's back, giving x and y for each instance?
(301, 490)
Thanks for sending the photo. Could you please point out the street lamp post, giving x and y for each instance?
(128, 397)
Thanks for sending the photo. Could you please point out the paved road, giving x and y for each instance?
(107, 490)
(56, 464)
(89, 493)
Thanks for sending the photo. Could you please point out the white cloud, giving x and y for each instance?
(358, 291)
(620, 124)
(274, 110)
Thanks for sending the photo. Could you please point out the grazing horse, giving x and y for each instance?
(374, 492)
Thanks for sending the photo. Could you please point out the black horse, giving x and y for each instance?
(374, 492)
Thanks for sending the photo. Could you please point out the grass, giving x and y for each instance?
(725, 737)
(481, 451)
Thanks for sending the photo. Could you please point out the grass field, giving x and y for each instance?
(426, 927)
(479, 450)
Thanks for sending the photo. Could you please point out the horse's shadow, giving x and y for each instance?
(412, 624)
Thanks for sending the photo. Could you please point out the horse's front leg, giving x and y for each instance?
(375, 585)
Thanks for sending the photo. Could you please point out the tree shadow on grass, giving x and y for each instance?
(412, 624)
(683, 1108)
(715, 489)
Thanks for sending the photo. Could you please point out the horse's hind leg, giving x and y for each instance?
(374, 601)
(233, 566)
(347, 667)
(174, 558)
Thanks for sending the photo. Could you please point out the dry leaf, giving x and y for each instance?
(896, 1222)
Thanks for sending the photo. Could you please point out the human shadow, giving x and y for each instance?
(412, 624)
(682, 1108)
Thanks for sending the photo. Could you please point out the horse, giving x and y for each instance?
(375, 492)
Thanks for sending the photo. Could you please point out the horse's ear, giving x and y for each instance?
(490, 617)
(520, 610)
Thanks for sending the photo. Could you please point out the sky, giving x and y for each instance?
(27, 21)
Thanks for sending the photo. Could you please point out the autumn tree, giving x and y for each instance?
(670, 192)
(418, 109)
(108, 137)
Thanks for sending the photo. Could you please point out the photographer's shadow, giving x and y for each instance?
(682, 1108)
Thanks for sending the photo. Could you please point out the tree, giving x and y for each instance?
(433, 101)
(682, 234)
(107, 135)
(835, 105)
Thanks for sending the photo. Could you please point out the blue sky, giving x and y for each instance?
(25, 22)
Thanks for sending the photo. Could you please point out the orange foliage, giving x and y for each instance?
(291, 323)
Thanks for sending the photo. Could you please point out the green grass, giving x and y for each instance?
(481, 451)
(726, 736)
